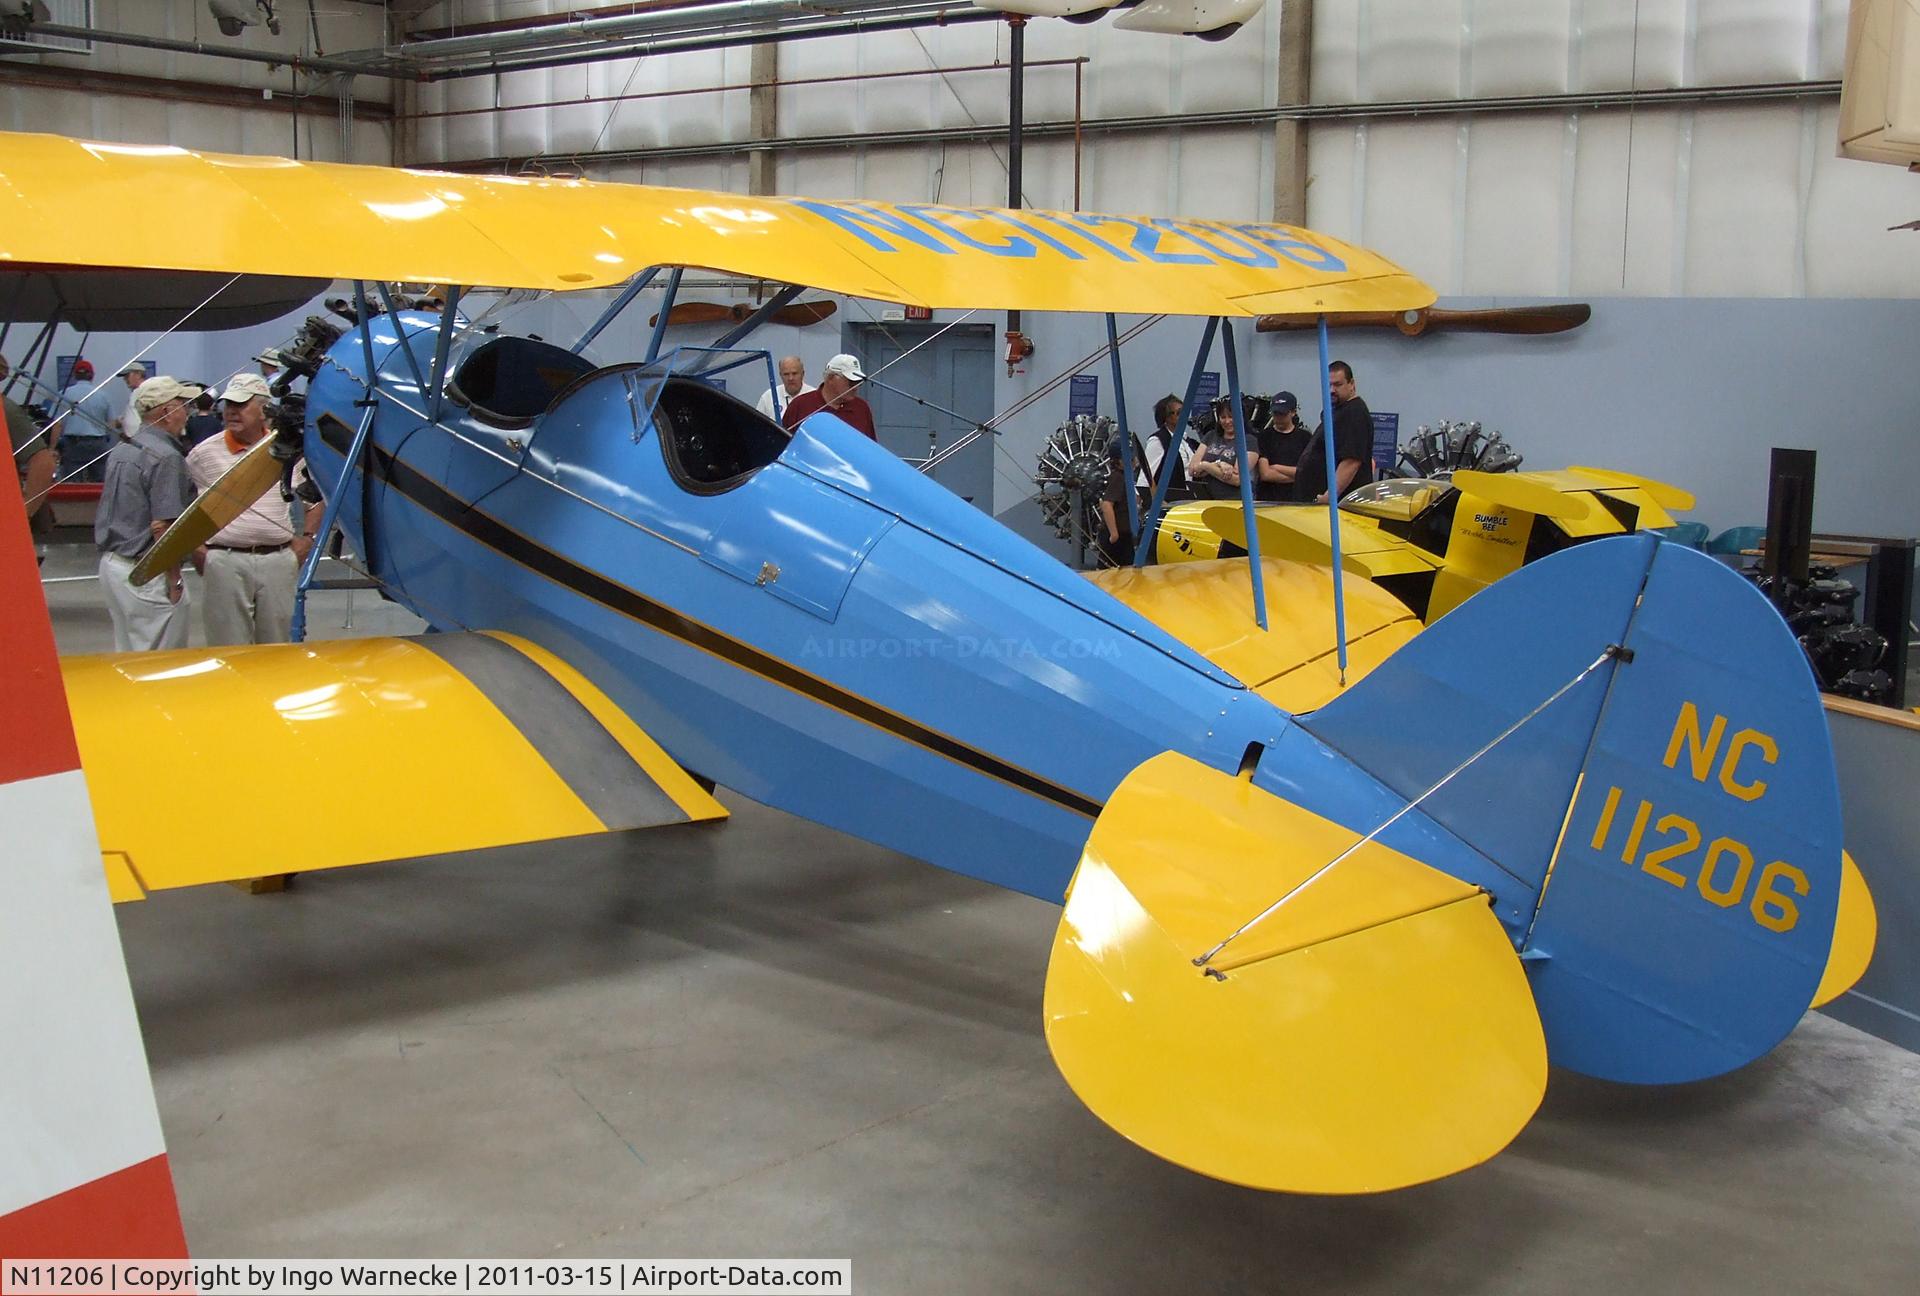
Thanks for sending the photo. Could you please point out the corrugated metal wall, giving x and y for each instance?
(1674, 201)
(1744, 200)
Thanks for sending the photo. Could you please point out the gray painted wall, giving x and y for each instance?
(1692, 391)
(1879, 768)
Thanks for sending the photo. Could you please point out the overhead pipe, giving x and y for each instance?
(624, 27)
(932, 16)
(777, 83)
(1199, 121)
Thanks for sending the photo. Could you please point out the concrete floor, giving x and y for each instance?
(766, 1038)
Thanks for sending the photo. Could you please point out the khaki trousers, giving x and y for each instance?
(142, 617)
(248, 597)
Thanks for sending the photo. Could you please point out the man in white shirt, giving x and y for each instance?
(252, 563)
(793, 381)
(133, 375)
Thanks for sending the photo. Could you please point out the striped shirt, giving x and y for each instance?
(267, 521)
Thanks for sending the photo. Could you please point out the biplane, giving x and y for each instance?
(1435, 543)
(1298, 950)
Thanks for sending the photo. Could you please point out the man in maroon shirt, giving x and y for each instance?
(835, 395)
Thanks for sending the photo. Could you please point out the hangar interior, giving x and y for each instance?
(769, 1037)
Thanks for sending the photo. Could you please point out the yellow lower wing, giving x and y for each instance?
(1375, 1032)
(209, 765)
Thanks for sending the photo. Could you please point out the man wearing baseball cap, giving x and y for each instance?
(835, 395)
(88, 426)
(252, 563)
(144, 490)
(1281, 442)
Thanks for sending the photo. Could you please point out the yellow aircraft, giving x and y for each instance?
(1434, 544)
(632, 574)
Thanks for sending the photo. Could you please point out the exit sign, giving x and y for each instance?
(919, 312)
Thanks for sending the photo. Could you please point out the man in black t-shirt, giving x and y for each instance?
(1352, 443)
(1282, 441)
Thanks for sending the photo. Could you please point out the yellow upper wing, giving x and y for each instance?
(66, 201)
(208, 765)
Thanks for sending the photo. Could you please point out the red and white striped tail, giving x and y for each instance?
(83, 1166)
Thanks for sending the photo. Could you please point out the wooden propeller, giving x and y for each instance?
(1526, 320)
(799, 314)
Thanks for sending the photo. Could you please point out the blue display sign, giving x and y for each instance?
(1386, 442)
(1208, 388)
(1083, 395)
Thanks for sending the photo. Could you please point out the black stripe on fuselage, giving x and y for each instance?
(496, 535)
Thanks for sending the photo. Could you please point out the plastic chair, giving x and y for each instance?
(1691, 534)
(1736, 539)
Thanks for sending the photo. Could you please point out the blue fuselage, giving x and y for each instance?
(830, 633)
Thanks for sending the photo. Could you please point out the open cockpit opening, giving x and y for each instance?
(713, 442)
(510, 381)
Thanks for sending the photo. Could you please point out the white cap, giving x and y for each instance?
(155, 392)
(846, 367)
(270, 355)
(245, 387)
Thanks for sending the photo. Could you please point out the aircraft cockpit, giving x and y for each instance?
(712, 441)
(508, 382)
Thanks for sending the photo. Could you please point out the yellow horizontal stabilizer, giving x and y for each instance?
(1856, 928)
(1669, 497)
(1304, 535)
(65, 201)
(1516, 491)
(210, 765)
(1377, 1031)
(1209, 607)
(211, 510)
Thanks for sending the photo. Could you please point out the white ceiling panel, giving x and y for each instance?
(1410, 49)
(1743, 202)
(524, 133)
(574, 128)
(1598, 227)
(1411, 204)
(632, 123)
(831, 109)
(1655, 193)
(1130, 178)
(694, 118)
(1830, 54)
(1512, 238)
(1331, 180)
(1741, 42)
(1628, 44)
(818, 173)
(1223, 174)
(901, 175)
(426, 140)
(1239, 72)
(1335, 76)
(1518, 47)
(1129, 75)
(472, 136)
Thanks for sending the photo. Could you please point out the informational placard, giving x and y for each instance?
(1208, 388)
(63, 370)
(1386, 442)
(1083, 395)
